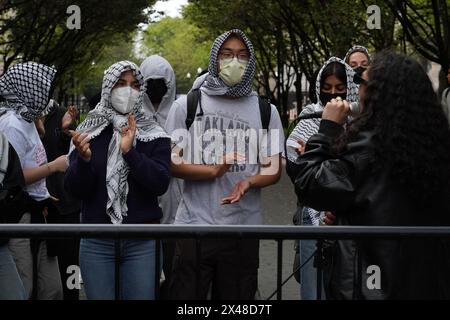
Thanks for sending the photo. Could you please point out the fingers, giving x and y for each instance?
(231, 199)
(132, 123)
(338, 103)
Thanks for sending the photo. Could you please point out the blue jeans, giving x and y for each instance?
(11, 286)
(308, 273)
(137, 269)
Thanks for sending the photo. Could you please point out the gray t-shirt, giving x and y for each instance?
(200, 203)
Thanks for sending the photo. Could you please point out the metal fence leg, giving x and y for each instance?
(198, 252)
(279, 268)
(157, 268)
(117, 269)
(319, 268)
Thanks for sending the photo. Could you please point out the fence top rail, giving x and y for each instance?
(152, 231)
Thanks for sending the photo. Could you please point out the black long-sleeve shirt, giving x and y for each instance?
(148, 178)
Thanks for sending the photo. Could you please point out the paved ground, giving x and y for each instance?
(278, 204)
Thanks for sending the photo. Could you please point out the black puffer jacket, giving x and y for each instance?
(359, 194)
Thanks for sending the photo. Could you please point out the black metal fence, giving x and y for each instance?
(264, 232)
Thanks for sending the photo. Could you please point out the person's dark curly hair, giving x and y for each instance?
(412, 134)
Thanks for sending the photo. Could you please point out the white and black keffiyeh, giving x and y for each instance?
(25, 88)
(354, 49)
(102, 116)
(308, 127)
(214, 85)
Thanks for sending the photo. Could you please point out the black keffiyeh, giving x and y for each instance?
(214, 85)
(25, 88)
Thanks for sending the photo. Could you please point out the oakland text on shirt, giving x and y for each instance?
(214, 135)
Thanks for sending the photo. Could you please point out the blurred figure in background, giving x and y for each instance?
(158, 99)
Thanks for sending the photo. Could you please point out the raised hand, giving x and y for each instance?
(69, 117)
(81, 143)
(126, 143)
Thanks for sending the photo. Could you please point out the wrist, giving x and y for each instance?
(250, 182)
(125, 150)
(49, 167)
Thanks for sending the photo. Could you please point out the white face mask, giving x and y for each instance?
(232, 71)
(123, 99)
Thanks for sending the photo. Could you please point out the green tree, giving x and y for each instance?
(183, 44)
(36, 30)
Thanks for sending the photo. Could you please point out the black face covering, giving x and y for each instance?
(156, 90)
(326, 97)
(359, 70)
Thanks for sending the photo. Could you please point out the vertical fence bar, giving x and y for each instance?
(319, 269)
(117, 268)
(279, 268)
(198, 252)
(157, 268)
(358, 289)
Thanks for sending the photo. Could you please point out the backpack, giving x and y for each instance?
(13, 199)
(194, 100)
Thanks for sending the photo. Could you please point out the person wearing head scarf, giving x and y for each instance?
(335, 79)
(358, 58)
(119, 165)
(389, 166)
(218, 192)
(11, 187)
(25, 90)
(158, 99)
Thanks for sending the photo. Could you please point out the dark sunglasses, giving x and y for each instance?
(358, 79)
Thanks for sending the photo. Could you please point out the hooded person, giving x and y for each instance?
(161, 87)
(218, 192)
(119, 165)
(335, 79)
(158, 99)
(358, 58)
(25, 89)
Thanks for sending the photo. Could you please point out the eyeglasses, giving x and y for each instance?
(229, 55)
(358, 79)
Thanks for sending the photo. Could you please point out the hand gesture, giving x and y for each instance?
(336, 110)
(240, 189)
(126, 143)
(301, 150)
(69, 117)
(81, 143)
(329, 218)
(227, 162)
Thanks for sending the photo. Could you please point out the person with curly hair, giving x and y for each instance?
(390, 167)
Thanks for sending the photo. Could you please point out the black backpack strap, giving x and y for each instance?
(265, 111)
(192, 102)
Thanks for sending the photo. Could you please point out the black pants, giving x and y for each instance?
(228, 266)
(68, 255)
(168, 254)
